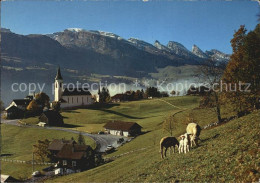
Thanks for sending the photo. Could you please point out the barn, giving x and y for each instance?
(121, 128)
(51, 118)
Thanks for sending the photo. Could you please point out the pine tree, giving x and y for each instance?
(81, 139)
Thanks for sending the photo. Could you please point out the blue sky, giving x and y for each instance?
(207, 24)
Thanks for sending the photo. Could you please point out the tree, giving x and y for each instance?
(173, 92)
(42, 99)
(81, 139)
(33, 106)
(211, 74)
(104, 96)
(244, 67)
(168, 124)
(41, 151)
(56, 106)
(2, 105)
(152, 92)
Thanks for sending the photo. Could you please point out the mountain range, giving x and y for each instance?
(88, 55)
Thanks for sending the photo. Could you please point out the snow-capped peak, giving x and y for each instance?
(107, 34)
(75, 29)
(197, 51)
(160, 46)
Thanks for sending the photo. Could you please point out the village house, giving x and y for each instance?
(118, 98)
(17, 107)
(70, 97)
(70, 156)
(8, 178)
(121, 128)
(56, 145)
(51, 118)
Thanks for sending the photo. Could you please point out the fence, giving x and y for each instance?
(26, 162)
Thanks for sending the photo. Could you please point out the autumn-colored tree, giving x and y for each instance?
(43, 99)
(41, 151)
(173, 92)
(244, 68)
(33, 106)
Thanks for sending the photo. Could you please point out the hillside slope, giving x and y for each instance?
(229, 152)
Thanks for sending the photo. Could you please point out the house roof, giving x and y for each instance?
(52, 115)
(118, 96)
(58, 75)
(73, 151)
(120, 125)
(75, 91)
(11, 107)
(8, 178)
(23, 102)
(57, 144)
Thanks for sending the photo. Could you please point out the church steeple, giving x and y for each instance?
(58, 75)
(58, 86)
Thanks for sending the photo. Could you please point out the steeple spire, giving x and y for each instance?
(58, 76)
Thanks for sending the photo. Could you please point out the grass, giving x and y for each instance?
(21, 171)
(30, 120)
(227, 153)
(147, 113)
(18, 142)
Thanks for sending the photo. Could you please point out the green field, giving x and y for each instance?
(226, 153)
(147, 113)
(19, 141)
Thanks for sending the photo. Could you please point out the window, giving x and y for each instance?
(64, 162)
(72, 99)
(77, 100)
(68, 100)
(74, 163)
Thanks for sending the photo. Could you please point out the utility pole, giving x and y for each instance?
(32, 162)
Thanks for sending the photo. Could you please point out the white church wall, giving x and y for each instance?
(78, 100)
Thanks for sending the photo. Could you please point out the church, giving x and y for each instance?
(70, 97)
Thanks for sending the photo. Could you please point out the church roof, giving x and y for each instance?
(58, 75)
(75, 91)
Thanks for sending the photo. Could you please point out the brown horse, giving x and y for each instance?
(168, 142)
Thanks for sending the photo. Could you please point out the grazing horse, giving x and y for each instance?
(168, 142)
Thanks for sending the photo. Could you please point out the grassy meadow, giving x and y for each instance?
(148, 113)
(226, 153)
(18, 143)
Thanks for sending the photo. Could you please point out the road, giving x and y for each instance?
(102, 141)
